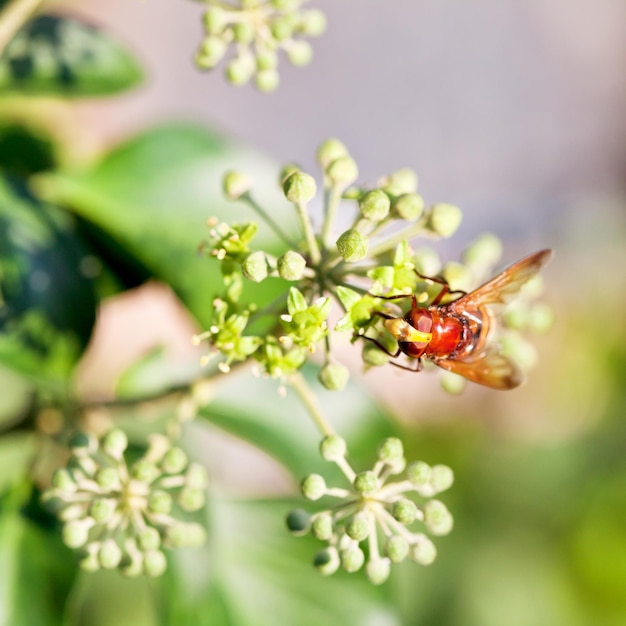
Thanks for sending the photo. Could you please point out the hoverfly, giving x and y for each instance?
(455, 336)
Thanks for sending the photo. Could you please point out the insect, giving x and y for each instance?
(455, 336)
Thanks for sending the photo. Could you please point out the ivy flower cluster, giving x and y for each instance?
(257, 30)
(354, 269)
(122, 516)
(377, 509)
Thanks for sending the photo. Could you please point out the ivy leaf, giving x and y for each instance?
(152, 196)
(36, 570)
(47, 297)
(60, 56)
(282, 428)
(254, 573)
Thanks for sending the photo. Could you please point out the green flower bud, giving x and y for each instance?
(283, 27)
(322, 526)
(352, 559)
(444, 219)
(423, 552)
(240, 70)
(427, 262)
(195, 535)
(90, 562)
(183, 535)
(267, 80)
(76, 533)
(441, 478)
(375, 205)
(174, 461)
(115, 443)
(343, 171)
(71, 512)
(149, 539)
(484, 252)
(145, 471)
(299, 188)
(419, 473)
(160, 502)
(373, 355)
(359, 527)
(352, 246)
(312, 23)
(520, 350)
(154, 563)
(291, 265)
(108, 478)
(390, 449)
(378, 570)
(516, 316)
(298, 521)
(236, 184)
(540, 318)
(266, 59)
(286, 171)
(196, 476)
(366, 482)
(409, 206)
(191, 499)
(333, 448)
(243, 32)
(313, 487)
(255, 267)
(102, 509)
(109, 554)
(81, 465)
(437, 518)
(401, 182)
(326, 561)
(457, 276)
(396, 548)
(211, 52)
(215, 19)
(82, 444)
(334, 376)
(452, 383)
(300, 53)
(63, 480)
(131, 567)
(405, 511)
(329, 151)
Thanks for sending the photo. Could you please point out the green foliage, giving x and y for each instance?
(58, 56)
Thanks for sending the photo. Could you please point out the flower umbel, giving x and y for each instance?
(257, 30)
(378, 509)
(122, 516)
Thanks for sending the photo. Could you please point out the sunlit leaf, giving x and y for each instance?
(153, 194)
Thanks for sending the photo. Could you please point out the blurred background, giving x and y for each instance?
(515, 112)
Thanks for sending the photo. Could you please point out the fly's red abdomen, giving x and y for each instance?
(447, 331)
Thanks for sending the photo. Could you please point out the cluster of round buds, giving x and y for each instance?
(258, 30)
(122, 516)
(323, 264)
(375, 511)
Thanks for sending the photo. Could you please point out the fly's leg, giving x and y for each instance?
(445, 288)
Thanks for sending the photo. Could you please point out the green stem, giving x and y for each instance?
(314, 249)
(332, 197)
(394, 240)
(269, 221)
(311, 404)
(14, 15)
